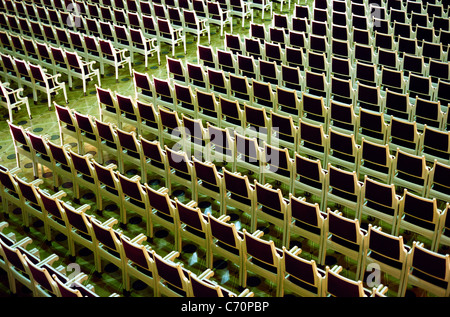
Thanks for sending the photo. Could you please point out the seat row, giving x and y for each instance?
(107, 244)
(281, 118)
(13, 99)
(282, 274)
(89, 48)
(56, 59)
(33, 76)
(25, 266)
(307, 175)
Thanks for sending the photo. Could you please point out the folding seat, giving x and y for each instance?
(341, 90)
(173, 14)
(318, 44)
(420, 216)
(207, 181)
(22, 145)
(343, 151)
(194, 136)
(241, 9)
(375, 160)
(41, 150)
(393, 80)
(233, 43)
(59, 62)
(10, 188)
(302, 11)
(314, 110)
(80, 229)
(420, 86)
(128, 112)
(108, 245)
(410, 172)
(201, 286)
(170, 35)
(249, 155)
(120, 16)
(262, 95)
(226, 61)
(84, 174)
(343, 189)
(438, 70)
(301, 276)
(336, 285)
(313, 142)
(179, 169)
(273, 52)
(143, 46)
(344, 235)
(403, 29)
(217, 82)
(442, 92)
(67, 124)
(81, 69)
(206, 107)
(220, 146)
(139, 262)
(433, 51)
(12, 99)
(438, 182)
(427, 112)
(278, 165)
(217, 16)
(129, 149)
(341, 67)
(87, 132)
(364, 53)
(427, 270)
(9, 70)
(172, 279)
(317, 84)
(398, 105)
(379, 200)
(113, 56)
(15, 257)
(415, 65)
(298, 39)
(164, 94)
(230, 113)
(253, 48)
(176, 70)
(294, 57)
(342, 118)
(291, 77)
(195, 25)
(238, 192)
(134, 201)
(435, 145)
(270, 207)
(162, 213)
(368, 98)
(388, 58)
(25, 26)
(46, 83)
(147, 23)
(269, 72)
(288, 102)
(262, 258)
(170, 127)
(440, 23)
(387, 251)
(258, 31)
